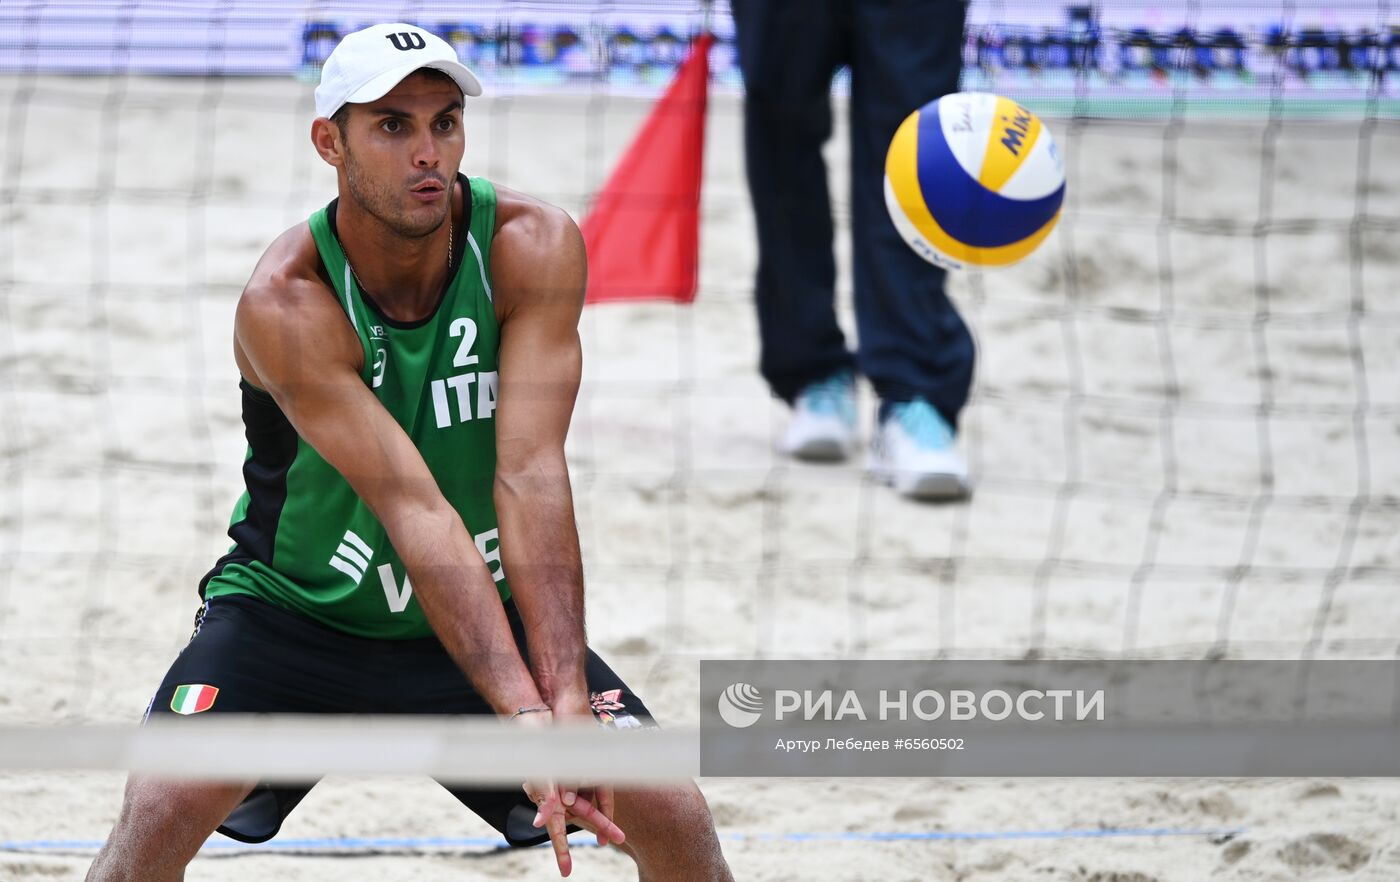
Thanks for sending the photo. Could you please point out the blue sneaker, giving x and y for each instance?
(823, 427)
(913, 451)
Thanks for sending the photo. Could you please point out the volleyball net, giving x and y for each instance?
(1182, 431)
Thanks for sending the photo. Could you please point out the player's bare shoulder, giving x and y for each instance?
(537, 255)
(289, 306)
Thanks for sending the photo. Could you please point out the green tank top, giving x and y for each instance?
(303, 539)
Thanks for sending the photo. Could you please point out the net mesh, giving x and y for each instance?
(1183, 426)
(1179, 428)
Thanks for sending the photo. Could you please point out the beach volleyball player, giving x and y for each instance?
(406, 544)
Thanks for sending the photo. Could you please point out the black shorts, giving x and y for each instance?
(265, 659)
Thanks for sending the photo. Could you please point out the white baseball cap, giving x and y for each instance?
(369, 63)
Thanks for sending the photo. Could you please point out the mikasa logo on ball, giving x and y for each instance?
(1015, 129)
(973, 180)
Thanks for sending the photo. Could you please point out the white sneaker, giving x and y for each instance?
(823, 427)
(913, 451)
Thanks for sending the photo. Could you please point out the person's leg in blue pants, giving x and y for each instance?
(788, 52)
(913, 343)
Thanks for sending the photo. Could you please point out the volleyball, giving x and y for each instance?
(973, 180)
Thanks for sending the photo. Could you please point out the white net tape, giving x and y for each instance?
(299, 748)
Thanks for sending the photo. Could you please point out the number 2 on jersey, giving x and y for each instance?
(466, 329)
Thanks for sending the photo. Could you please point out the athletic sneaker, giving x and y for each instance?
(913, 451)
(823, 427)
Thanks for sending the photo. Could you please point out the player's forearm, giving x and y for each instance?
(459, 598)
(540, 554)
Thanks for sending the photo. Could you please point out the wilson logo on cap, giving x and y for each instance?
(404, 41)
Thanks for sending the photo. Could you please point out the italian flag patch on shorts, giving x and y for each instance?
(193, 698)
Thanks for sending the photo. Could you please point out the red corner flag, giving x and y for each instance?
(643, 234)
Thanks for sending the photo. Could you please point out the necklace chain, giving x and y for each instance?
(365, 290)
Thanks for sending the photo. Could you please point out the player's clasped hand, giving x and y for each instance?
(555, 816)
(558, 805)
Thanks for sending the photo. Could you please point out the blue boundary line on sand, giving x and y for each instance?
(399, 842)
